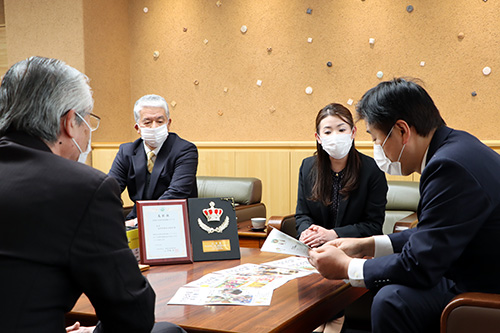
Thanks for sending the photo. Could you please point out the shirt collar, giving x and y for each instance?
(147, 149)
(424, 161)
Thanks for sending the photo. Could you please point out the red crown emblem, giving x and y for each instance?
(212, 213)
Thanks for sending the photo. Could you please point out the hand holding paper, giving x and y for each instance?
(280, 242)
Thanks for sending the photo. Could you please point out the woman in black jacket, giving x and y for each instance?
(342, 193)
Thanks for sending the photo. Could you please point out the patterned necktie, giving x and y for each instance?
(151, 163)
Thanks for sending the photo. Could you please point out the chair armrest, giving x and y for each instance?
(246, 212)
(285, 223)
(469, 312)
(406, 223)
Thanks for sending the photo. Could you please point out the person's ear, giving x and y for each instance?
(168, 124)
(137, 128)
(354, 130)
(318, 139)
(402, 127)
(68, 124)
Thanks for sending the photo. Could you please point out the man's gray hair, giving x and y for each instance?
(35, 93)
(154, 101)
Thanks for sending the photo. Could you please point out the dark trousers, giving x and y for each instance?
(398, 308)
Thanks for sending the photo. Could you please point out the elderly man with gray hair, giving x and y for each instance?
(159, 165)
(62, 231)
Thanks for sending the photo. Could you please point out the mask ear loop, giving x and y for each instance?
(388, 135)
(401, 153)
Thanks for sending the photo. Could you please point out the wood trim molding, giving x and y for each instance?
(494, 144)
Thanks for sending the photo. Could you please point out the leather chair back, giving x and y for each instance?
(244, 190)
(402, 200)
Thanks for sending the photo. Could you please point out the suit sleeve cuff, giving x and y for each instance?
(383, 246)
(355, 272)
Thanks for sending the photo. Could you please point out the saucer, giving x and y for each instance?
(253, 229)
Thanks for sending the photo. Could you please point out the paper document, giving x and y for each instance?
(222, 296)
(280, 242)
(247, 284)
(299, 263)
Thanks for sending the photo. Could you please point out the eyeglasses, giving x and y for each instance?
(94, 122)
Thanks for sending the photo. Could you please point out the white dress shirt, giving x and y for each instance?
(383, 247)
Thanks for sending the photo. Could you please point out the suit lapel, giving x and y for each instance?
(139, 165)
(160, 163)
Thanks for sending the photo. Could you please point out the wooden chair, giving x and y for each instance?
(285, 223)
(472, 312)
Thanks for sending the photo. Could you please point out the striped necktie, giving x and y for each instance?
(151, 162)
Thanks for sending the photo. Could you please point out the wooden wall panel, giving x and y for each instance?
(3, 50)
(296, 157)
(272, 167)
(102, 159)
(275, 164)
(215, 162)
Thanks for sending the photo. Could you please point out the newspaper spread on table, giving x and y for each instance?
(247, 284)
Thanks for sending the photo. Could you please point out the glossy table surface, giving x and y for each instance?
(298, 306)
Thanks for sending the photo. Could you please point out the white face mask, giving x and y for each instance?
(337, 145)
(383, 162)
(154, 137)
(83, 154)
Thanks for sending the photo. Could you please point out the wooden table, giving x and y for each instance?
(298, 306)
(248, 237)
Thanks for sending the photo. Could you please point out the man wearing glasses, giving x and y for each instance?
(92, 121)
(454, 248)
(62, 231)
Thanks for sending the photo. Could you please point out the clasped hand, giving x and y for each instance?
(316, 235)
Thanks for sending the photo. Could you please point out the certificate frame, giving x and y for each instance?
(153, 217)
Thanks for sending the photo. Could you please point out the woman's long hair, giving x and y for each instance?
(322, 169)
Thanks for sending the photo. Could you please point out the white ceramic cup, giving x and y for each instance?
(258, 222)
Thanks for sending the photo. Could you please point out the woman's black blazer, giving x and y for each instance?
(360, 215)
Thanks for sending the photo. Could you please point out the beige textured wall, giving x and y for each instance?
(3, 41)
(2, 13)
(90, 35)
(113, 42)
(48, 28)
(107, 63)
(340, 32)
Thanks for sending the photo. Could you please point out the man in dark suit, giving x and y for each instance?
(159, 165)
(62, 231)
(454, 247)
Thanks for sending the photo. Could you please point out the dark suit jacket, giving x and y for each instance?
(360, 215)
(459, 221)
(173, 176)
(62, 234)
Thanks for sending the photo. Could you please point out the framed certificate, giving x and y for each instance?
(164, 232)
